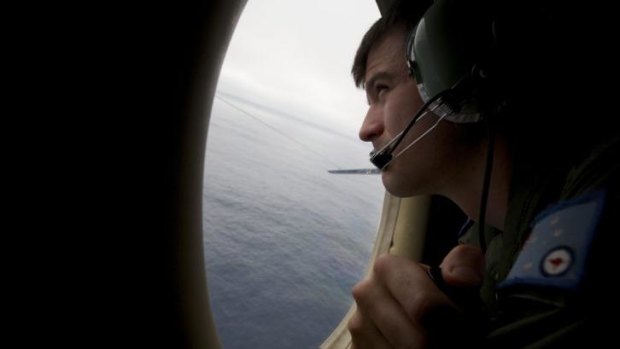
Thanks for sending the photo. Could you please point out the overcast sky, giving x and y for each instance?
(296, 56)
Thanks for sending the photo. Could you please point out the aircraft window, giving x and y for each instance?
(284, 239)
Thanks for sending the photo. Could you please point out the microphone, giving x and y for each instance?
(448, 103)
(382, 157)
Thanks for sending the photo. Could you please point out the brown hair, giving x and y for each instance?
(407, 12)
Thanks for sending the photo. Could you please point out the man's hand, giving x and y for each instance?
(399, 305)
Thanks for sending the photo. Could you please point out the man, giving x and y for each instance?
(539, 295)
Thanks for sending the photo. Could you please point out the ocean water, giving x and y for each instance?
(284, 240)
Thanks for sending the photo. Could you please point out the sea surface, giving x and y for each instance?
(284, 240)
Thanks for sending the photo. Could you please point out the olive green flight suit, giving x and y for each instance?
(549, 274)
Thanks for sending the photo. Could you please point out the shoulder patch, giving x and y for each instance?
(556, 251)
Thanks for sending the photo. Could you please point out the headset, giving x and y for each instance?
(449, 53)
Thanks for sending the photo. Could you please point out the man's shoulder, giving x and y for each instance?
(599, 170)
(558, 280)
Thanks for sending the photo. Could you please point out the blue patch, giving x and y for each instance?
(556, 251)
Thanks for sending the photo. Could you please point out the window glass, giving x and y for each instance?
(284, 239)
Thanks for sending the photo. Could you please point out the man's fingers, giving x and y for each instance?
(400, 305)
(410, 286)
(464, 266)
(364, 334)
(377, 304)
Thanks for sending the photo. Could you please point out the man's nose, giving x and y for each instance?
(373, 126)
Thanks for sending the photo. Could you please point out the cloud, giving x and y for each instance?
(296, 57)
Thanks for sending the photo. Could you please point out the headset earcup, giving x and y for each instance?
(450, 44)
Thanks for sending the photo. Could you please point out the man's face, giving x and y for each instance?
(393, 101)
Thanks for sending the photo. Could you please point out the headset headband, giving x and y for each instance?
(446, 50)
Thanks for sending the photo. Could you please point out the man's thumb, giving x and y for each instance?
(463, 266)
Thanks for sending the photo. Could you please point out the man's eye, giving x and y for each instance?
(381, 89)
